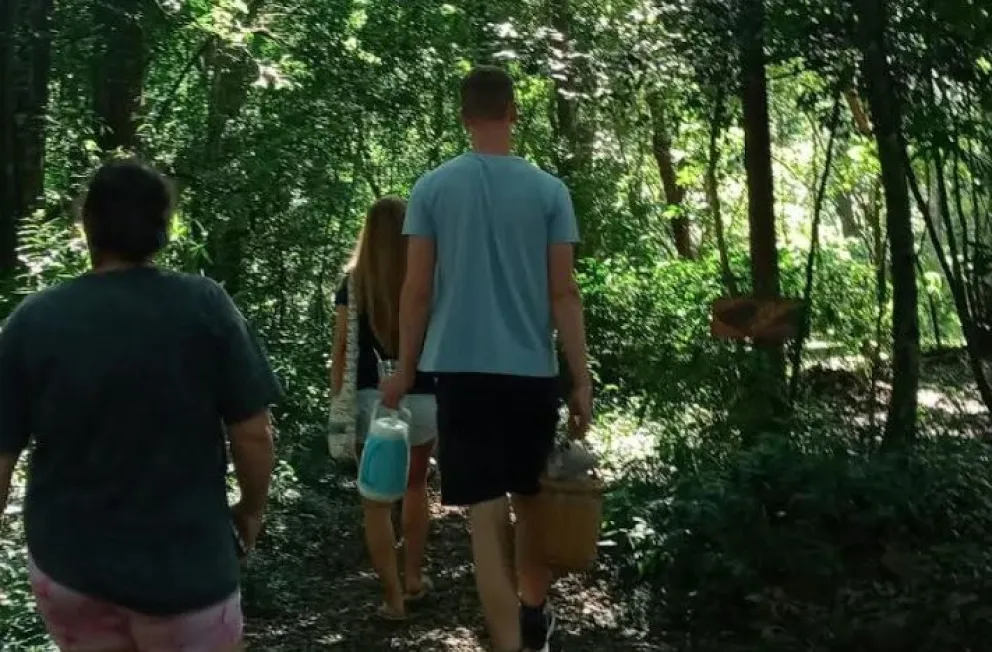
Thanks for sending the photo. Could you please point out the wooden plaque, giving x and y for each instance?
(748, 318)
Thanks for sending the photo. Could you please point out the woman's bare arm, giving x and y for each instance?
(339, 350)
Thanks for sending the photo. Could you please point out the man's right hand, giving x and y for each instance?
(394, 388)
(580, 410)
(249, 525)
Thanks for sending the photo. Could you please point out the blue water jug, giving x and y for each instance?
(385, 464)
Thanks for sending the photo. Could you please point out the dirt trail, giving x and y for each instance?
(310, 587)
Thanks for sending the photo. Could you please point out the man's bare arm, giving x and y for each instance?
(415, 302)
(566, 309)
(253, 454)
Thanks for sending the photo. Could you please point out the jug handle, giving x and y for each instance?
(402, 412)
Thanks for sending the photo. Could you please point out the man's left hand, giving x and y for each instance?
(394, 388)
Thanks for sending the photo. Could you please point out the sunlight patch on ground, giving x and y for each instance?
(932, 398)
(330, 639)
(935, 400)
(837, 362)
(456, 638)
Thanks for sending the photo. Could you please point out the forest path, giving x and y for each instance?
(310, 585)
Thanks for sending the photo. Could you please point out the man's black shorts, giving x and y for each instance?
(495, 434)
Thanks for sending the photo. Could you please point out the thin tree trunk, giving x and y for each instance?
(661, 148)
(861, 121)
(881, 300)
(713, 189)
(900, 429)
(844, 204)
(967, 243)
(438, 123)
(814, 251)
(573, 133)
(565, 102)
(931, 304)
(955, 253)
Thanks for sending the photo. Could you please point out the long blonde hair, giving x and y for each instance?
(377, 266)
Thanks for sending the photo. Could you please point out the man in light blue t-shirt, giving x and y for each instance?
(489, 279)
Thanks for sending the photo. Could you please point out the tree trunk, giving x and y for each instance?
(565, 105)
(931, 307)
(25, 52)
(571, 127)
(844, 204)
(861, 121)
(574, 135)
(438, 116)
(900, 428)
(231, 74)
(119, 74)
(761, 190)
(713, 190)
(661, 147)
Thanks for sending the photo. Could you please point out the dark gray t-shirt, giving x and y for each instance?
(123, 381)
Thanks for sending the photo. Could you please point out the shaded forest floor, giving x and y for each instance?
(310, 586)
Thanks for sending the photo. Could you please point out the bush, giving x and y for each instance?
(810, 544)
(649, 331)
(20, 627)
(649, 325)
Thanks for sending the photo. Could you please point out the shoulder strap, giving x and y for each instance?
(351, 365)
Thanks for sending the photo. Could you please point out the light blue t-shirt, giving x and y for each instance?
(492, 219)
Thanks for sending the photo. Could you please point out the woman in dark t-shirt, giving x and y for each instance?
(129, 381)
(376, 273)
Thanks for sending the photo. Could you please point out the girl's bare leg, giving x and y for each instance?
(381, 541)
(416, 518)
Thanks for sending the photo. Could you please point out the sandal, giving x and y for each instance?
(386, 612)
(426, 587)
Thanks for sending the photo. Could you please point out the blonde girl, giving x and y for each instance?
(376, 273)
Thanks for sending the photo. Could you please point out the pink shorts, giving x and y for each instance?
(81, 624)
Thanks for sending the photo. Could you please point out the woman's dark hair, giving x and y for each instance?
(127, 211)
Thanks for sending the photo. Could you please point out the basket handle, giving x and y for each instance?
(564, 443)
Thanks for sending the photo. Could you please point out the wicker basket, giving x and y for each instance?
(571, 517)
